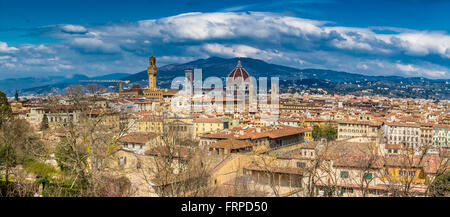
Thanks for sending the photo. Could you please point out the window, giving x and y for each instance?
(386, 172)
(374, 191)
(301, 164)
(368, 176)
(349, 190)
(401, 173)
(342, 191)
(412, 173)
(344, 174)
(122, 161)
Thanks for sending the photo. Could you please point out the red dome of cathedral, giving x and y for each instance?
(239, 72)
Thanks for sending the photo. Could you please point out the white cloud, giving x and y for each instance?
(410, 69)
(175, 59)
(5, 49)
(74, 28)
(279, 39)
(203, 26)
(363, 66)
(93, 45)
(406, 68)
(62, 66)
(240, 50)
(32, 61)
(233, 50)
(424, 43)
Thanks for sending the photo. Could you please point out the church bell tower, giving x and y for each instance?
(152, 71)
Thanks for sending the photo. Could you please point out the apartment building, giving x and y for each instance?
(351, 129)
(402, 133)
(441, 135)
(426, 134)
(268, 137)
(206, 125)
(139, 143)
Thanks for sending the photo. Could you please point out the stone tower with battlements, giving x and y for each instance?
(152, 71)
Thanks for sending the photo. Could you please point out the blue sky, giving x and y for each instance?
(404, 37)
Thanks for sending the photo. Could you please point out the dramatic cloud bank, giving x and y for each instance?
(292, 41)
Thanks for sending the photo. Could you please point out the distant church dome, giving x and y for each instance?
(239, 72)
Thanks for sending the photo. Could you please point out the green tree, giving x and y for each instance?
(441, 186)
(44, 123)
(5, 109)
(317, 132)
(7, 161)
(329, 133)
(18, 143)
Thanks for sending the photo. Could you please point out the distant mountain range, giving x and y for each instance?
(213, 66)
(38, 85)
(220, 67)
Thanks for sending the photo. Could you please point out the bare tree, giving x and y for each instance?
(176, 169)
(90, 140)
(74, 91)
(95, 89)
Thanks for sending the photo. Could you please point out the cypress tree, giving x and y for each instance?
(44, 123)
(16, 96)
(5, 108)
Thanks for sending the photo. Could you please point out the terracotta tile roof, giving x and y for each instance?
(287, 120)
(208, 120)
(429, 163)
(139, 138)
(393, 146)
(174, 151)
(252, 133)
(403, 124)
(231, 144)
(370, 123)
(361, 161)
(150, 119)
